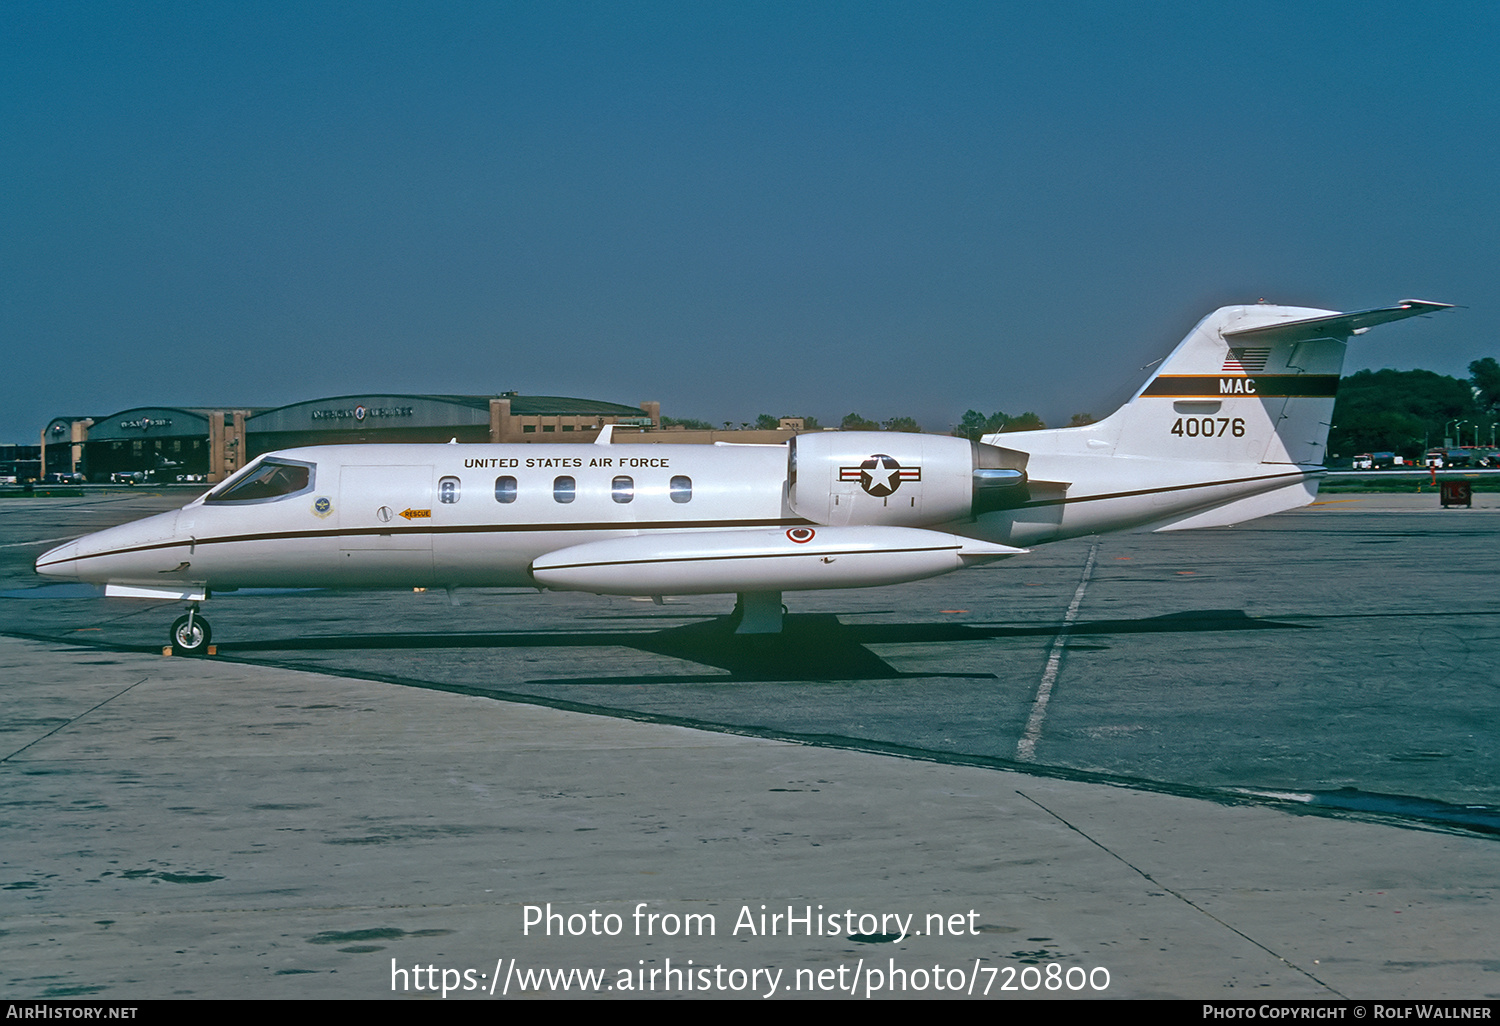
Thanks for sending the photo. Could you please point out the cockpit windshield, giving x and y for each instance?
(271, 478)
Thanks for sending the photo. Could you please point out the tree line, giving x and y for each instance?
(971, 426)
(1409, 412)
(1406, 412)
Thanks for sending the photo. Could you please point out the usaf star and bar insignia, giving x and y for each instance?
(880, 475)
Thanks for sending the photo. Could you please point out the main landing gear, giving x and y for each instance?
(758, 612)
(190, 633)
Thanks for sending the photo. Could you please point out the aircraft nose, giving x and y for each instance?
(59, 562)
(115, 554)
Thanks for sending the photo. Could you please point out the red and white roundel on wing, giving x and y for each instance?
(801, 535)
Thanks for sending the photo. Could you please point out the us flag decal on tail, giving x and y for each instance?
(1246, 361)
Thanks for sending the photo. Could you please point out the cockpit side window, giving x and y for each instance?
(269, 479)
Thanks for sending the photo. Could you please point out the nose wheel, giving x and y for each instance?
(190, 634)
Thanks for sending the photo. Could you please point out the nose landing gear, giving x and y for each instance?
(190, 633)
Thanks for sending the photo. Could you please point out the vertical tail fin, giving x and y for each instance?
(1249, 384)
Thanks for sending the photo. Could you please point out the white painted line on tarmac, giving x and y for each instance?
(39, 541)
(1026, 749)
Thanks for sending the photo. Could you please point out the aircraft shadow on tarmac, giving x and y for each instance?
(811, 646)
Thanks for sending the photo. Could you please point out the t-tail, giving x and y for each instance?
(1233, 425)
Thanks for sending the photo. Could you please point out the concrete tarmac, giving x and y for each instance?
(217, 828)
(195, 828)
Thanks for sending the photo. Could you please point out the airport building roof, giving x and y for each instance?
(217, 440)
(373, 411)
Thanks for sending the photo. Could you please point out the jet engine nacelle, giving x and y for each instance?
(898, 479)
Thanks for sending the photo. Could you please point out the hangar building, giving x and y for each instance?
(214, 443)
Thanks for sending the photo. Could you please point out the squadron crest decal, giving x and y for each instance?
(880, 475)
(322, 506)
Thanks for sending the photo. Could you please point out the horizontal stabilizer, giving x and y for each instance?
(1335, 326)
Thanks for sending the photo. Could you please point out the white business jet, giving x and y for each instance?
(1231, 427)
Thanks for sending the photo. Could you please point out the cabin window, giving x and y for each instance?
(682, 489)
(622, 489)
(564, 488)
(263, 481)
(448, 490)
(505, 489)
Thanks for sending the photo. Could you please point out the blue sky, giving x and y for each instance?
(899, 209)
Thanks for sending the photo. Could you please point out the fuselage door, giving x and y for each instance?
(385, 521)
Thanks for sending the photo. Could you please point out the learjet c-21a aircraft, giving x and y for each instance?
(1231, 427)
